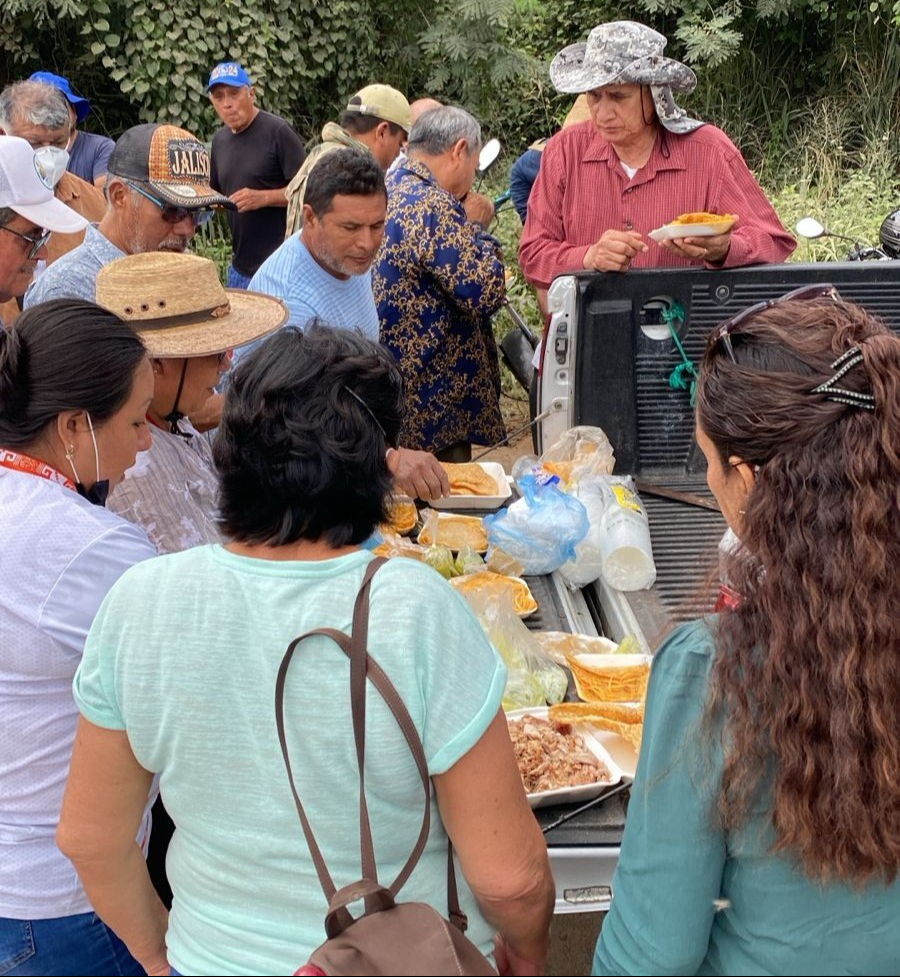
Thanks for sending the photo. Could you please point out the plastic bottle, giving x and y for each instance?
(524, 466)
(587, 566)
(625, 549)
(529, 466)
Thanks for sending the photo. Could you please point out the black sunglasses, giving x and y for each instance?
(36, 242)
(172, 214)
(804, 293)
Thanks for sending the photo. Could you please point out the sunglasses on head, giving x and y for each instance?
(806, 292)
(172, 214)
(36, 242)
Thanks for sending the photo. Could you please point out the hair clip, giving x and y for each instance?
(840, 395)
(367, 409)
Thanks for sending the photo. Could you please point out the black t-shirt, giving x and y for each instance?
(264, 156)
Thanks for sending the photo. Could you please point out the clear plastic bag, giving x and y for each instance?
(390, 545)
(533, 678)
(581, 451)
(540, 530)
(468, 561)
(441, 559)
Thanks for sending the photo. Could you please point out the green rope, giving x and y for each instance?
(684, 376)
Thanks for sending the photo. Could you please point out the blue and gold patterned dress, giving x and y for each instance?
(438, 280)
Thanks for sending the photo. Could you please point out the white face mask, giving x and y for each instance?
(53, 161)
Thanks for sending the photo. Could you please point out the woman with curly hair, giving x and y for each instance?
(763, 835)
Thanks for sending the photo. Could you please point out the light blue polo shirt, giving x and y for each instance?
(74, 275)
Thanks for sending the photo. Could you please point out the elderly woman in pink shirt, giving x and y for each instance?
(639, 162)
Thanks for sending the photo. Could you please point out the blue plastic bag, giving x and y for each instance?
(540, 530)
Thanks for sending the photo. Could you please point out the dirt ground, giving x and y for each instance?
(573, 937)
(515, 415)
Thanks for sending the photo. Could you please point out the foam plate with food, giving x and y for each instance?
(484, 581)
(560, 763)
(453, 531)
(618, 726)
(694, 225)
(609, 677)
(475, 485)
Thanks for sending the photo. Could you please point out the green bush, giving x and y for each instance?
(808, 89)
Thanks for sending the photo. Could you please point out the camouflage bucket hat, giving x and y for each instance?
(624, 52)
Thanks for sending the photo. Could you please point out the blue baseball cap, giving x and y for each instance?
(229, 73)
(81, 105)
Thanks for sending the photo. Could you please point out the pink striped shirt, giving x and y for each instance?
(582, 190)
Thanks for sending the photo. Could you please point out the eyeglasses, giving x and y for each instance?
(804, 293)
(36, 242)
(172, 214)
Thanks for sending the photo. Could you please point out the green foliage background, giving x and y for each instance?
(809, 89)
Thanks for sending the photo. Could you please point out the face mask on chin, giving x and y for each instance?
(98, 493)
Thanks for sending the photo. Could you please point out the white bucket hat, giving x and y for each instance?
(624, 52)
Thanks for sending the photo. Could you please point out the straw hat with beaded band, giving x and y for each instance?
(180, 309)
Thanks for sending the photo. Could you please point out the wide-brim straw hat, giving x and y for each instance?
(179, 308)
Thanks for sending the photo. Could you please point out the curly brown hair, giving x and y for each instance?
(806, 680)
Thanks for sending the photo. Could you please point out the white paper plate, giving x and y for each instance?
(495, 470)
(584, 792)
(622, 752)
(669, 231)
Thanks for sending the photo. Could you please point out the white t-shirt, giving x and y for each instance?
(59, 555)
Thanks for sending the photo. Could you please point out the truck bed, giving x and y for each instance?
(685, 542)
(584, 849)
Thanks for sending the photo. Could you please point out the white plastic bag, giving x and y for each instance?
(587, 565)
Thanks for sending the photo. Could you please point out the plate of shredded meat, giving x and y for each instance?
(560, 763)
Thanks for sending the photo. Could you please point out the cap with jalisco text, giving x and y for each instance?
(171, 161)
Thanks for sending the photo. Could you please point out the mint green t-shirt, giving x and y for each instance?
(692, 899)
(183, 655)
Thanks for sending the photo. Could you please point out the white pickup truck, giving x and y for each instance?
(610, 352)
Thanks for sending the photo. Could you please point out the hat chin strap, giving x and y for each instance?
(175, 415)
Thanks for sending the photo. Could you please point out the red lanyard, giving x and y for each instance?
(31, 466)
